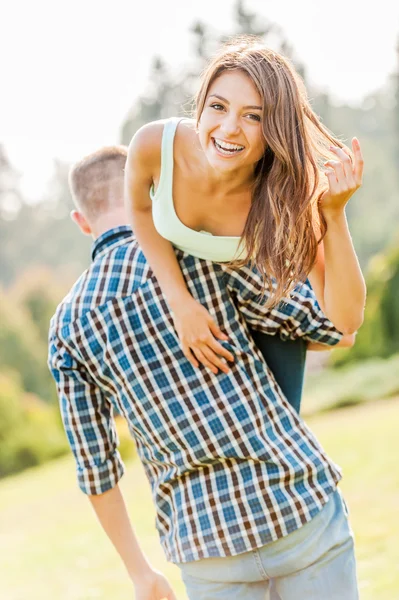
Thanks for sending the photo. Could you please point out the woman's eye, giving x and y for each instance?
(217, 106)
(254, 117)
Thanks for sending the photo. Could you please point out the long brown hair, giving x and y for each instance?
(279, 236)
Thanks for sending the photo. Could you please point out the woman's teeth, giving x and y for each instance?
(226, 148)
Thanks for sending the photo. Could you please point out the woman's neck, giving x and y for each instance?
(225, 183)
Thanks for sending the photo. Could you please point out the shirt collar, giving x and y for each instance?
(111, 238)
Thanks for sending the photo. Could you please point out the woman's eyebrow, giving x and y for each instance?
(252, 106)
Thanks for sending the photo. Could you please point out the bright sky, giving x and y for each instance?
(71, 69)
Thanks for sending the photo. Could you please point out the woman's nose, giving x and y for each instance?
(230, 125)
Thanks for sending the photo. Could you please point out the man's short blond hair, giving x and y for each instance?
(96, 181)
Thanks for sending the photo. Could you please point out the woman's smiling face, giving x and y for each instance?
(230, 128)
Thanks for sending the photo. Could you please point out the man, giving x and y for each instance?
(112, 344)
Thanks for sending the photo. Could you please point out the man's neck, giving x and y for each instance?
(109, 220)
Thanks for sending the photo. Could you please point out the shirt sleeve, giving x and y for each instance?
(298, 316)
(88, 421)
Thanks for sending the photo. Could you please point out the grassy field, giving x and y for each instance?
(52, 548)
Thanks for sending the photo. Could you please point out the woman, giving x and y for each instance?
(241, 184)
(247, 171)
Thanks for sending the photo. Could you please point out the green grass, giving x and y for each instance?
(354, 384)
(52, 547)
(364, 440)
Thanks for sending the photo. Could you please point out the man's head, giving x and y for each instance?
(96, 184)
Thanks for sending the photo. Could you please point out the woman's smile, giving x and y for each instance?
(227, 149)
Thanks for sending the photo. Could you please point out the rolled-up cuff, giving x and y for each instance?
(97, 479)
(329, 337)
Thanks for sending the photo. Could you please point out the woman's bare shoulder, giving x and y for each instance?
(186, 142)
(187, 129)
(147, 141)
(146, 144)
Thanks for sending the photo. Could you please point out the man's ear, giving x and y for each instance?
(78, 218)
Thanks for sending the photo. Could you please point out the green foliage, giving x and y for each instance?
(30, 430)
(38, 292)
(11, 412)
(22, 350)
(352, 384)
(379, 334)
(373, 213)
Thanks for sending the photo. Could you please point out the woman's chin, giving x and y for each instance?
(220, 162)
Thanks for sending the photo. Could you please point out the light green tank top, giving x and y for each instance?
(197, 243)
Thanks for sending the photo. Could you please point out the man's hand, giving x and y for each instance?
(153, 586)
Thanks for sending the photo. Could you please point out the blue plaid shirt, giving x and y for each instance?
(230, 463)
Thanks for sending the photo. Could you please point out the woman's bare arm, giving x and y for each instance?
(336, 278)
(143, 159)
(195, 327)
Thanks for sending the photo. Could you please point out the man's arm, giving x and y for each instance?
(90, 428)
(110, 509)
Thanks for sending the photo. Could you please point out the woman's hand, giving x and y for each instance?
(344, 178)
(198, 334)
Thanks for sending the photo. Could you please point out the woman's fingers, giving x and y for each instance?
(209, 353)
(190, 356)
(219, 350)
(345, 159)
(359, 162)
(344, 175)
(214, 359)
(204, 360)
(353, 166)
(338, 167)
(199, 334)
(332, 181)
(217, 332)
(215, 345)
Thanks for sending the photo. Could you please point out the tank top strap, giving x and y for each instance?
(166, 177)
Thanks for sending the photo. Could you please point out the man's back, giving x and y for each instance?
(220, 451)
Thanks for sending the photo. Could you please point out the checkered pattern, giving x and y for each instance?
(231, 465)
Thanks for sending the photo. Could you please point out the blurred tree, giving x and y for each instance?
(10, 195)
(42, 234)
(164, 97)
(171, 94)
(389, 305)
(379, 334)
(22, 350)
(10, 407)
(38, 292)
(10, 204)
(396, 108)
(30, 430)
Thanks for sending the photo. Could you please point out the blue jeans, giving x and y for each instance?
(315, 562)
